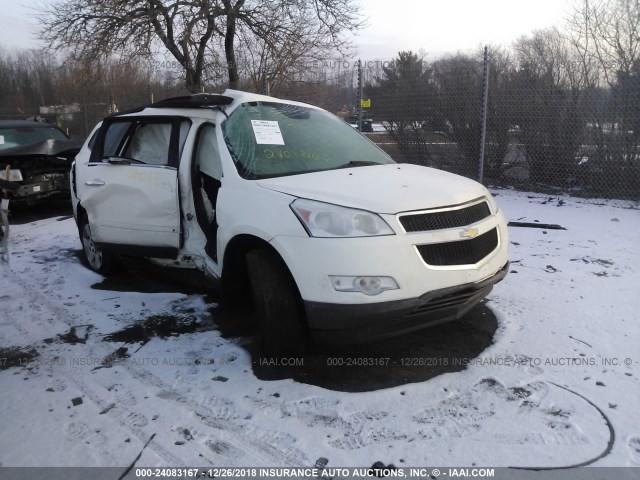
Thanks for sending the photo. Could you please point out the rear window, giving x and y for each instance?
(150, 144)
(144, 141)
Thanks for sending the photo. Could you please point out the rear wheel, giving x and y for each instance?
(277, 304)
(98, 260)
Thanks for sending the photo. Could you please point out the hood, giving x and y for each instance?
(45, 148)
(380, 188)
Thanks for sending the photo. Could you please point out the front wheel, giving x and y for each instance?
(277, 304)
(98, 260)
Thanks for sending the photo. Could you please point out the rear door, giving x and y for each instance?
(130, 185)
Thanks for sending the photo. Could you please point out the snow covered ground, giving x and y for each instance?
(558, 386)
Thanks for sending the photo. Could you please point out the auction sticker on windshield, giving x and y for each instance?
(267, 132)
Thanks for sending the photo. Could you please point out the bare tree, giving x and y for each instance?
(550, 53)
(549, 85)
(189, 29)
(607, 32)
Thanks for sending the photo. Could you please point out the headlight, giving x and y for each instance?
(327, 220)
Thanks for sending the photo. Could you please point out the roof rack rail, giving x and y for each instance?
(127, 112)
(194, 101)
(197, 100)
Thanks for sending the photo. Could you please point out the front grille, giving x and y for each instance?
(423, 222)
(461, 252)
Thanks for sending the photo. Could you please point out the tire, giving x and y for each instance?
(277, 304)
(97, 260)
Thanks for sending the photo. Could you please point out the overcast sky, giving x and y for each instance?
(434, 26)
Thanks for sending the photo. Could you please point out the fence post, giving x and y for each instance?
(359, 105)
(85, 121)
(485, 106)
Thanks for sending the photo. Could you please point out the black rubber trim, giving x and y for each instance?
(356, 323)
(194, 101)
(191, 101)
(545, 226)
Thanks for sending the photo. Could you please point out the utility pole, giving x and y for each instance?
(266, 88)
(485, 107)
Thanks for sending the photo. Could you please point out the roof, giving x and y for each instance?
(243, 97)
(205, 104)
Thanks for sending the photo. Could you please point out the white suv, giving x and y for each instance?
(293, 211)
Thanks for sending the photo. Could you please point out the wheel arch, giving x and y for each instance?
(235, 275)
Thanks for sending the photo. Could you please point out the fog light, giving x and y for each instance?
(366, 285)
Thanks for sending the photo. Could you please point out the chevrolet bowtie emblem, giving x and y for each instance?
(469, 233)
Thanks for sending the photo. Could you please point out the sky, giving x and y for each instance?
(438, 26)
(393, 25)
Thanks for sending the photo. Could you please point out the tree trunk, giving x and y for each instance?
(193, 81)
(229, 50)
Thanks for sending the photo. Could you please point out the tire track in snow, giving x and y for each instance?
(251, 441)
(604, 453)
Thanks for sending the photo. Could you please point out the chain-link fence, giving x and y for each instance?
(534, 130)
(528, 133)
(79, 117)
(531, 130)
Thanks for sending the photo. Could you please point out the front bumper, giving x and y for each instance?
(337, 324)
(313, 260)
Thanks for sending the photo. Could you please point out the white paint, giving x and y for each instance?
(130, 212)
(137, 205)
(380, 188)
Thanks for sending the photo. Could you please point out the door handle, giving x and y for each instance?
(94, 183)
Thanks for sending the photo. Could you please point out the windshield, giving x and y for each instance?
(21, 136)
(272, 139)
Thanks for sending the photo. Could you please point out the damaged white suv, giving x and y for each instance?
(292, 210)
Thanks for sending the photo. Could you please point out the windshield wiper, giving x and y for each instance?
(358, 163)
(355, 163)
